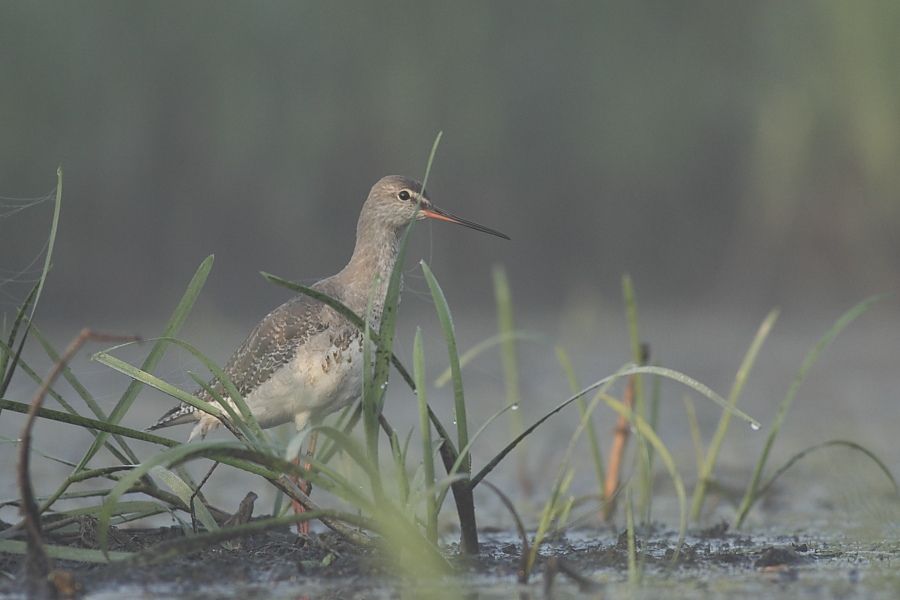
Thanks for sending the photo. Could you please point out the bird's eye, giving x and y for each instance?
(403, 195)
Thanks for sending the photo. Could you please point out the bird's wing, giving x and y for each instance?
(273, 342)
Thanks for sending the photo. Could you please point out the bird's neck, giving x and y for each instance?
(365, 278)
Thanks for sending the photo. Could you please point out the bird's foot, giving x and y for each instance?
(206, 424)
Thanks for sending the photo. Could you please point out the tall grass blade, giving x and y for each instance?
(145, 378)
(596, 454)
(848, 317)
(638, 356)
(425, 429)
(697, 387)
(459, 402)
(508, 352)
(634, 574)
(90, 424)
(34, 297)
(462, 492)
(708, 465)
(696, 438)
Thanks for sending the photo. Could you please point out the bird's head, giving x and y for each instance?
(395, 201)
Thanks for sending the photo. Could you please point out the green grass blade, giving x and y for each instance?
(369, 403)
(810, 359)
(708, 465)
(399, 457)
(644, 475)
(425, 429)
(156, 353)
(508, 353)
(596, 454)
(9, 369)
(51, 242)
(86, 423)
(459, 401)
(84, 555)
(845, 443)
(634, 573)
(145, 378)
(696, 438)
(79, 421)
(696, 386)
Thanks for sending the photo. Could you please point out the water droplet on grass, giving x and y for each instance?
(754, 426)
(514, 407)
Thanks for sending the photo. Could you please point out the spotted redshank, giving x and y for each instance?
(303, 361)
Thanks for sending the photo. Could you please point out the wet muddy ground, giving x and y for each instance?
(594, 563)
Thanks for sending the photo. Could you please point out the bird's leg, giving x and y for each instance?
(305, 486)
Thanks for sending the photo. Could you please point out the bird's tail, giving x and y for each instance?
(184, 413)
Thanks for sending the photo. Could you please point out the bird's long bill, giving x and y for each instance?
(442, 215)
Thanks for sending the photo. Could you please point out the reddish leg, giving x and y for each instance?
(305, 486)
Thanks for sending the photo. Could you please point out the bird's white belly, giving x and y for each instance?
(319, 380)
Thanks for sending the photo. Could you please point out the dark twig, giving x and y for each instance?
(37, 563)
(196, 492)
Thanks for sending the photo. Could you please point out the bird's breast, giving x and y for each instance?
(324, 376)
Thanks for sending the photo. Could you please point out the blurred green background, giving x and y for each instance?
(738, 153)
